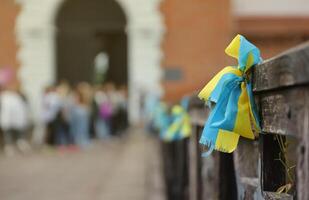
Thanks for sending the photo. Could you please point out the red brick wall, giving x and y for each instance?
(8, 48)
(273, 34)
(197, 33)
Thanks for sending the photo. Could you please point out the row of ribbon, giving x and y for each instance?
(230, 98)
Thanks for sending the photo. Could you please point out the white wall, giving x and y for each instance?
(271, 7)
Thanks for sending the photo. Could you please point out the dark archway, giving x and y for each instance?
(86, 29)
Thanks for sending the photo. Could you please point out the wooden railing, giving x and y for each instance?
(276, 164)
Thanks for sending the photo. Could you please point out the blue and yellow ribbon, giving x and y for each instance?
(233, 111)
(161, 118)
(180, 126)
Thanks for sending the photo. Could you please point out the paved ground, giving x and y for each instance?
(123, 169)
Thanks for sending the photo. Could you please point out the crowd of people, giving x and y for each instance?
(71, 115)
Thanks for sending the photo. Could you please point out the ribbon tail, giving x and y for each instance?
(227, 141)
(253, 110)
(243, 121)
(208, 152)
(218, 131)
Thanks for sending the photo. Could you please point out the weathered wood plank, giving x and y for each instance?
(199, 116)
(281, 110)
(197, 110)
(227, 179)
(246, 158)
(303, 154)
(276, 196)
(194, 165)
(175, 161)
(210, 176)
(287, 69)
(195, 102)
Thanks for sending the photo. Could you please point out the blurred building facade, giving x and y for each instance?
(169, 46)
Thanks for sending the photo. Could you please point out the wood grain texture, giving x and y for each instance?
(175, 166)
(281, 110)
(210, 177)
(290, 68)
(204, 172)
(276, 196)
(281, 87)
(246, 158)
(303, 154)
(194, 165)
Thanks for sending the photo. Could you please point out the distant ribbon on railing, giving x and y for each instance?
(180, 126)
(230, 96)
(162, 119)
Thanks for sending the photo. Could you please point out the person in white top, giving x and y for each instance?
(14, 120)
(51, 105)
(55, 115)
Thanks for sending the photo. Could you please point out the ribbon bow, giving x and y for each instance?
(233, 112)
(180, 126)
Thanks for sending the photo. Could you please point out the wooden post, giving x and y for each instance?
(246, 159)
(211, 177)
(303, 154)
(175, 162)
(281, 85)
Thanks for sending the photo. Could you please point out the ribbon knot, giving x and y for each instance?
(233, 112)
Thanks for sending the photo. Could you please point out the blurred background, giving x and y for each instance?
(74, 76)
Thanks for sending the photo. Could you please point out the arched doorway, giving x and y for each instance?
(36, 31)
(86, 29)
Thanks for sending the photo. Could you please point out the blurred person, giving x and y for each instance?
(94, 111)
(118, 102)
(86, 90)
(110, 90)
(63, 136)
(122, 113)
(103, 114)
(51, 107)
(80, 116)
(49, 111)
(14, 119)
(118, 98)
(55, 114)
